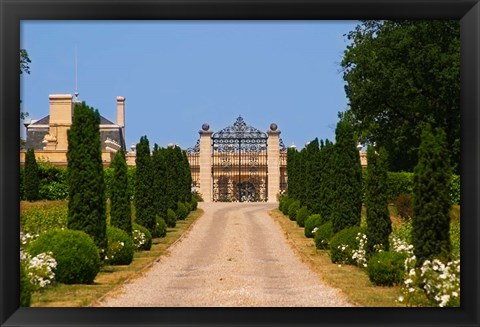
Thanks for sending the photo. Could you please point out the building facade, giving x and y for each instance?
(48, 136)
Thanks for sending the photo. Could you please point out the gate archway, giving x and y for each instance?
(239, 165)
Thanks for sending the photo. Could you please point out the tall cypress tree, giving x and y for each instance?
(31, 178)
(159, 181)
(171, 178)
(121, 211)
(379, 225)
(86, 197)
(291, 173)
(327, 181)
(431, 201)
(312, 176)
(144, 197)
(347, 205)
(181, 175)
(188, 177)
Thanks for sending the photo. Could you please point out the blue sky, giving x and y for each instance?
(178, 75)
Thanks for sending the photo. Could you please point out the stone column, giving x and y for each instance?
(121, 114)
(205, 161)
(273, 162)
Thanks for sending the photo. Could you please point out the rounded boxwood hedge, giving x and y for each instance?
(386, 268)
(194, 204)
(292, 210)
(142, 238)
(160, 228)
(78, 260)
(346, 238)
(286, 205)
(120, 247)
(25, 287)
(312, 222)
(171, 218)
(301, 216)
(182, 211)
(323, 235)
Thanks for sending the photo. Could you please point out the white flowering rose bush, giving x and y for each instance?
(142, 239)
(434, 283)
(40, 269)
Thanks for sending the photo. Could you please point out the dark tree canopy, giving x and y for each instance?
(86, 196)
(431, 201)
(399, 76)
(159, 181)
(121, 211)
(31, 176)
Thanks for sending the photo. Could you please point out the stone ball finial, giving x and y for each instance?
(205, 127)
(273, 127)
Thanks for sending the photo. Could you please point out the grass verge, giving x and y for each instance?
(111, 277)
(352, 281)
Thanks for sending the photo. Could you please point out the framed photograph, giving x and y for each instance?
(16, 13)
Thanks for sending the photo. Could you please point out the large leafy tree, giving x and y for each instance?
(31, 176)
(379, 225)
(400, 75)
(431, 201)
(86, 196)
(144, 196)
(121, 211)
(347, 174)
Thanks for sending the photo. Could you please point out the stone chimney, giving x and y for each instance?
(61, 106)
(121, 114)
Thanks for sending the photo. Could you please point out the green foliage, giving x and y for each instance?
(120, 210)
(40, 219)
(181, 211)
(197, 196)
(399, 75)
(404, 206)
(120, 247)
(286, 206)
(24, 62)
(292, 210)
(323, 235)
(301, 216)
(78, 261)
(25, 287)
(31, 178)
(171, 218)
(455, 189)
(161, 228)
(159, 178)
(171, 181)
(347, 173)
(398, 183)
(386, 268)
(86, 196)
(431, 202)
(343, 243)
(313, 221)
(327, 180)
(53, 181)
(194, 203)
(144, 194)
(379, 225)
(312, 176)
(142, 238)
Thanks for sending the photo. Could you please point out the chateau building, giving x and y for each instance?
(48, 135)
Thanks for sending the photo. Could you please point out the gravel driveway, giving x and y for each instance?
(235, 255)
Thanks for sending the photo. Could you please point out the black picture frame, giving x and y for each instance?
(13, 11)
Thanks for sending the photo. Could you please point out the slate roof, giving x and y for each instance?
(46, 120)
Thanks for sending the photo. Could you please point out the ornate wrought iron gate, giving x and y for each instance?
(240, 168)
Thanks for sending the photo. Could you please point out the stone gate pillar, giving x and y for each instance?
(273, 162)
(205, 162)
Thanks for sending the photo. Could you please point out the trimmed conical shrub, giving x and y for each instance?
(121, 211)
(144, 195)
(379, 225)
(86, 196)
(31, 179)
(431, 201)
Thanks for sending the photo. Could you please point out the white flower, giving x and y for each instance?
(400, 298)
